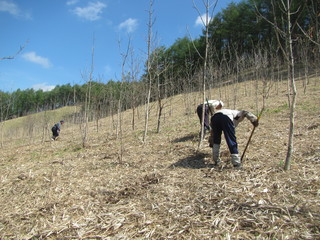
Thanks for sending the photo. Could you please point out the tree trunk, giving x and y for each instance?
(293, 88)
(149, 42)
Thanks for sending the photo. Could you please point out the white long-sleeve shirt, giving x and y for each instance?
(237, 116)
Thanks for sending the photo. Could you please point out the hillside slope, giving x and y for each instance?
(167, 188)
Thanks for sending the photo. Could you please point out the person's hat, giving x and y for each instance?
(61, 121)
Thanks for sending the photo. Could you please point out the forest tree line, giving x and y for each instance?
(243, 45)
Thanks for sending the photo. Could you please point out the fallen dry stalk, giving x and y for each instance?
(165, 189)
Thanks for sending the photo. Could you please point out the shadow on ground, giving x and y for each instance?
(190, 137)
(195, 161)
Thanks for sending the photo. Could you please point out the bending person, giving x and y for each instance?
(209, 107)
(226, 120)
(56, 130)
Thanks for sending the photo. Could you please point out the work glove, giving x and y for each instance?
(255, 122)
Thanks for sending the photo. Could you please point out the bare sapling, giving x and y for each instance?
(134, 71)
(5, 105)
(160, 91)
(208, 6)
(261, 74)
(285, 33)
(45, 126)
(149, 72)
(84, 125)
(120, 114)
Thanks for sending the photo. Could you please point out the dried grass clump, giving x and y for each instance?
(167, 188)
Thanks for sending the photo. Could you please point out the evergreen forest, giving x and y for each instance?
(243, 44)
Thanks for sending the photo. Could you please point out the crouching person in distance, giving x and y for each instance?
(56, 130)
(226, 120)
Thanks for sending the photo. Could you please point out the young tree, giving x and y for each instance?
(291, 77)
(149, 72)
(159, 69)
(284, 28)
(134, 98)
(120, 101)
(6, 102)
(87, 103)
(205, 22)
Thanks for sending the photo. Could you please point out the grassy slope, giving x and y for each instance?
(166, 189)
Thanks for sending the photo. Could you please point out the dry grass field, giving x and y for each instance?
(168, 188)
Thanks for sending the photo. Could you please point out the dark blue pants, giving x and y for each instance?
(206, 115)
(222, 123)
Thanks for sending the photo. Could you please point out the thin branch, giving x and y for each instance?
(307, 35)
(266, 19)
(194, 46)
(17, 53)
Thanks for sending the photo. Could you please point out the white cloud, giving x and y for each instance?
(91, 12)
(43, 86)
(33, 57)
(13, 9)
(10, 7)
(130, 25)
(72, 2)
(201, 20)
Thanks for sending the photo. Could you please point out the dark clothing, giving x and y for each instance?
(206, 115)
(55, 130)
(226, 120)
(222, 123)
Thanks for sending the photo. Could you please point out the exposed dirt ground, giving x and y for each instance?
(168, 188)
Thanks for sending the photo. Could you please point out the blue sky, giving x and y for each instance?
(58, 36)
